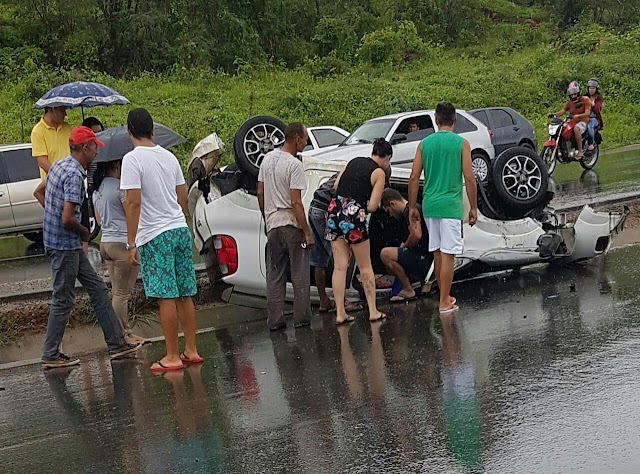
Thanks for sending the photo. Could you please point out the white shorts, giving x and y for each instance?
(582, 127)
(445, 235)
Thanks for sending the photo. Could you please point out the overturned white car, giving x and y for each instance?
(515, 227)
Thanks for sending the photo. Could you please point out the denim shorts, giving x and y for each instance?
(320, 253)
(166, 265)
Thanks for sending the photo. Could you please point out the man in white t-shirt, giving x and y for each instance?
(280, 185)
(157, 233)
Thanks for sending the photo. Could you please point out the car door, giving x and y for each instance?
(23, 178)
(6, 214)
(505, 131)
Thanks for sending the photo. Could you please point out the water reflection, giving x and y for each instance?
(418, 393)
(460, 405)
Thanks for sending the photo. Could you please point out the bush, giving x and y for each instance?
(399, 44)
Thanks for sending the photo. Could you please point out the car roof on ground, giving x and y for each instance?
(16, 146)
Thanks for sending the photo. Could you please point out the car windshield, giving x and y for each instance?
(369, 131)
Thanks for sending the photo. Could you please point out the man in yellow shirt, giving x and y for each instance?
(50, 143)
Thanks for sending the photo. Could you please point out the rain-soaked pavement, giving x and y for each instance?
(538, 373)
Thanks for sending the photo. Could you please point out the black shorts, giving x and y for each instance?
(414, 264)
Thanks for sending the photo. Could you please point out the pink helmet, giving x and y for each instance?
(573, 91)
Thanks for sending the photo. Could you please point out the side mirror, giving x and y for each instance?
(398, 138)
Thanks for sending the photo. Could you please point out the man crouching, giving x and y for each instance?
(412, 259)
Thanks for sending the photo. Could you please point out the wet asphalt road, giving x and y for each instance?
(538, 373)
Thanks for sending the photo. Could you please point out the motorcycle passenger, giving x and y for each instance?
(595, 121)
(579, 108)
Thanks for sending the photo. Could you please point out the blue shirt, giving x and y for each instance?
(65, 183)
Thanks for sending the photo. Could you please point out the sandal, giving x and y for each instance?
(186, 360)
(327, 309)
(453, 309)
(165, 368)
(347, 320)
(400, 298)
(380, 318)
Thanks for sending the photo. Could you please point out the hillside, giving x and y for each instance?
(517, 56)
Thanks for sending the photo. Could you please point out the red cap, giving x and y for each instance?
(80, 135)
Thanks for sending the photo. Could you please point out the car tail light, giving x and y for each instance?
(490, 134)
(227, 253)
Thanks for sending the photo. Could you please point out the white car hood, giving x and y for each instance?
(402, 152)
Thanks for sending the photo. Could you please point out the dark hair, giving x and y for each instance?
(389, 195)
(101, 172)
(293, 130)
(90, 122)
(140, 123)
(381, 148)
(445, 114)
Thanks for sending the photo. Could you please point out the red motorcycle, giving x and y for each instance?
(562, 147)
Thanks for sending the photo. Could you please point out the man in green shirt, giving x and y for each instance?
(445, 158)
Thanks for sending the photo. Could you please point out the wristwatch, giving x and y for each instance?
(130, 247)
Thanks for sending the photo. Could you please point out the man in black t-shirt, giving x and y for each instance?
(411, 260)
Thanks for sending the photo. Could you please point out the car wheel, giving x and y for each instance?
(254, 139)
(528, 145)
(549, 159)
(94, 228)
(481, 167)
(520, 178)
(35, 237)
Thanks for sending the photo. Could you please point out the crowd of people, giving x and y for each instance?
(141, 202)
(339, 215)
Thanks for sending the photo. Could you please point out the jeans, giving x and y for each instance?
(285, 253)
(123, 279)
(66, 266)
(591, 127)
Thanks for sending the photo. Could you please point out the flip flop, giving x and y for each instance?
(453, 309)
(347, 320)
(400, 298)
(166, 368)
(327, 309)
(453, 300)
(382, 316)
(186, 360)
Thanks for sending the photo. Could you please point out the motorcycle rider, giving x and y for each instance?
(595, 121)
(579, 108)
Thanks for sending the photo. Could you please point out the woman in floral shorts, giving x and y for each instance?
(358, 192)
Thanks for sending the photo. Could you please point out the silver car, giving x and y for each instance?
(405, 130)
(20, 212)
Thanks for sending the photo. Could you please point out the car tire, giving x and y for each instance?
(94, 228)
(520, 178)
(481, 166)
(254, 139)
(35, 237)
(527, 144)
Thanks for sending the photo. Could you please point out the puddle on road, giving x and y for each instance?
(538, 372)
(615, 173)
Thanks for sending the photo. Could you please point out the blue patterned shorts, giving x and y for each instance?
(166, 265)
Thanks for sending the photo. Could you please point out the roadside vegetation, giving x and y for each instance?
(339, 63)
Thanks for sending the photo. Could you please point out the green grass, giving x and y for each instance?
(518, 65)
